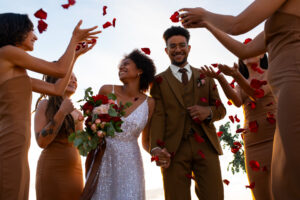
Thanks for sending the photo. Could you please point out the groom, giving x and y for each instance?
(187, 104)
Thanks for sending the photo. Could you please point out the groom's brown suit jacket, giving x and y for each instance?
(168, 120)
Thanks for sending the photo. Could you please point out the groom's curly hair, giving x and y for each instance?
(146, 64)
(176, 30)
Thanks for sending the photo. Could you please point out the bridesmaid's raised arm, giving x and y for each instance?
(252, 16)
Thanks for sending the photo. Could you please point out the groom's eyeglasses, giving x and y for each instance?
(173, 46)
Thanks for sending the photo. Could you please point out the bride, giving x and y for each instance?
(121, 173)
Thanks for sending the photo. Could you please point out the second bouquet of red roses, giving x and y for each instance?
(102, 119)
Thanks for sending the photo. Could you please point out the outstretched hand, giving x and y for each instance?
(84, 35)
(208, 71)
(193, 17)
(229, 71)
(84, 47)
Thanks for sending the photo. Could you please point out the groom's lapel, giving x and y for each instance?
(197, 91)
(172, 83)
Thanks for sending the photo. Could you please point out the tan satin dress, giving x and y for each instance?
(283, 42)
(59, 172)
(15, 116)
(259, 145)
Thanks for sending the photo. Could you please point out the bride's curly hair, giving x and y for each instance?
(54, 103)
(146, 64)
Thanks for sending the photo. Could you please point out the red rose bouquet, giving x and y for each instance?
(102, 119)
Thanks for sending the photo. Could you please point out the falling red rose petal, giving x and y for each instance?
(72, 2)
(220, 133)
(252, 104)
(259, 71)
(104, 10)
(65, 6)
(146, 50)
(106, 25)
(259, 93)
(41, 14)
(160, 143)
(42, 26)
(247, 40)
(114, 22)
(253, 126)
(198, 138)
(232, 83)
(190, 176)
(229, 102)
(201, 154)
(215, 65)
(158, 79)
(251, 186)
(256, 84)
(218, 103)
(254, 165)
(154, 158)
(231, 118)
(240, 130)
(270, 118)
(237, 119)
(175, 17)
(226, 181)
(203, 99)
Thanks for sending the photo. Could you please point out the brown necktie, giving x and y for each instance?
(184, 76)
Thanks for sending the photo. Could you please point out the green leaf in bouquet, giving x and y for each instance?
(118, 126)
(111, 129)
(88, 92)
(92, 144)
(112, 112)
(127, 105)
(71, 137)
(78, 141)
(112, 96)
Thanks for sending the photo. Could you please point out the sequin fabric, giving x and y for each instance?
(121, 171)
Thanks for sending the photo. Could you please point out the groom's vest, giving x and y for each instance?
(187, 93)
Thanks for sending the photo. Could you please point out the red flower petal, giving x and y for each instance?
(252, 104)
(226, 181)
(104, 10)
(237, 144)
(247, 40)
(229, 102)
(218, 72)
(259, 93)
(218, 103)
(232, 83)
(41, 14)
(270, 118)
(65, 6)
(203, 99)
(197, 121)
(78, 47)
(254, 66)
(154, 158)
(251, 186)
(256, 84)
(190, 176)
(114, 22)
(42, 26)
(201, 154)
(158, 79)
(214, 87)
(234, 150)
(160, 143)
(72, 2)
(202, 76)
(260, 71)
(237, 119)
(240, 130)
(215, 65)
(146, 50)
(220, 133)
(106, 25)
(253, 126)
(198, 138)
(269, 104)
(231, 118)
(175, 17)
(254, 165)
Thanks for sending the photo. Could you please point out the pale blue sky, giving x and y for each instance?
(140, 23)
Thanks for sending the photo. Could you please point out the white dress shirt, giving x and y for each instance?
(177, 74)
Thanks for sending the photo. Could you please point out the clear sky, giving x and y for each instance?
(139, 23)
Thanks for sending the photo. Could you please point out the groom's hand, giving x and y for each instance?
(164, 157)
(200, 112)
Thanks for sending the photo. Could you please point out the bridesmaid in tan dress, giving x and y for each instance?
(259, 144)
(281, 39)
(17, 37)
(59, 173)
